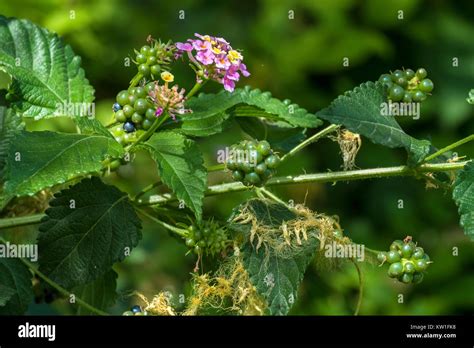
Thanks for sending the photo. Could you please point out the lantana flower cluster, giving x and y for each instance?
(215, 58)
(168, 98)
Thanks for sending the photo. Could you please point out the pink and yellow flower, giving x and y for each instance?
(216, 58)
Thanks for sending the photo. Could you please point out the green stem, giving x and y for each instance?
(179, 231)
(136, 79)
(274, 197)
(361, 287)
(450, 147)
(216, 168)
(21, 221)
(287, 180)
(145, 136)
(213, 168)
(195, 89)
(322, 178)
(372, 251)
(146, 189)
(58, 287)
(310, 140)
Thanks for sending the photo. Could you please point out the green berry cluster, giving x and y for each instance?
(209, 238)
(408, 262)
(407, 86)
(252, 162)
(151, 59)
(135, 311)
(133, 112)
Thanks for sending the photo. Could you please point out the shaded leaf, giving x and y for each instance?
(88, 228)
(16, 277)
(100, 293)
(9, 123)
(6, 294)
(463, 195)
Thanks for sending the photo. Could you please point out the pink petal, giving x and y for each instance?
(243, 70)
(184, 46)
(229, 85)
(158, 112)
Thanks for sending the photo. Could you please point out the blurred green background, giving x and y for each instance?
(301, 59)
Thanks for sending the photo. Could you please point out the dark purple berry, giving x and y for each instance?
(116, 107)
(128, 127)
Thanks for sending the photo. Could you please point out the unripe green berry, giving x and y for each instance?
(393, 256)
(396, 93)
(128, 111)
(252, 178)
(260, 168)
(417, 278)
(409, 267)
(406, 278)
(396, 245)
(140, 92)
(407, 250)
(144, 69)
(421, 73)
(122, 98)
(146, 124)
(155, 70)
(420, 265)
(418, 253)
(237, 175)
(409, 74)
(141, 58)
(264, 147)
(382, 257)
(272, 161)
(141, 105)
(137, 118)
(426, 85)
(395, 270)
(120, 116)
(151, 60)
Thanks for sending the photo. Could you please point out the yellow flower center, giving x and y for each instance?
(216, 50)
(234, 56)
(167, 76)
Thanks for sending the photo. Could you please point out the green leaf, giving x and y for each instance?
(38, 160)
(463, 195)
(9, 123)
(17, 277)
(281, 138)
(180, 165)
(275, 275)
(210, 111)
(6, 294)
(88, 125)
(100, 293)
(88, 228)
(359, 111)
(47, 75)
